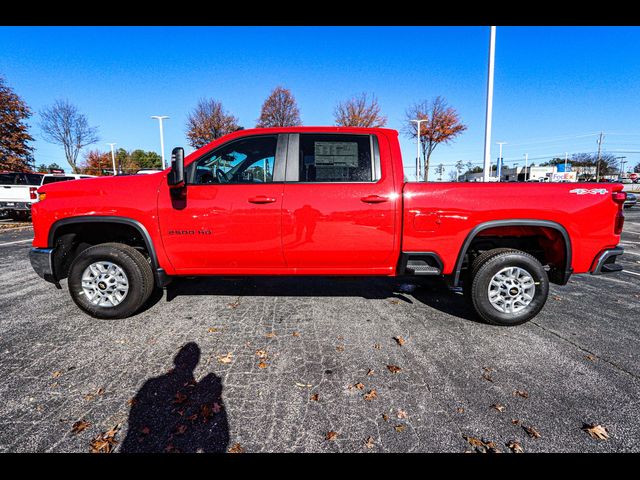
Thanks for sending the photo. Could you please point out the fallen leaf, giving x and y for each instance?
(131, 402)
(400, 428)
(402, 414)
(532, 432)
(399, 340)
(370, 372)
(79, 426)
(315, 397)
(460, 410)
(181, 429)
(263, 365)
(393, 368)
(295, 334)
(370, 395)
(212, 330)
(499, 407)
(236, 448)
(394, 301)
(179, 398)
(171, 449)
(224, 358)
(596, 431)
(216, 407)
(515, 446)
(481, 445)
(105, 442)
(521, 393)
(340, 348)
(234, 304)
(359, 386)
(591, 358)
(515, 421)
(331, 436)
(261, 353)
(376, 346)
(487, 376)
(193, 417)
(369, 443)
(56, 374)
(270, 335)
(385, 417)
(556, 297)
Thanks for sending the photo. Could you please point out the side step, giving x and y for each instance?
(419, 263)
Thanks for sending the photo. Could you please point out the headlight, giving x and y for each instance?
(42, 196)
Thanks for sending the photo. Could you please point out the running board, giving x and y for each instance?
(419, 263)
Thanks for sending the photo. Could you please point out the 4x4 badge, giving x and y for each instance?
(589, 191)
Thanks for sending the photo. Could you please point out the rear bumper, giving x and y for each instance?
(16, 206)
(606, 261)
(42, 262)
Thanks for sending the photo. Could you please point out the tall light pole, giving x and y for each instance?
(113, 158)
(418, 123)
(566, 156)
(487, 127)
(598, 161)
(160, 118)
(499, 169)
(526, 166)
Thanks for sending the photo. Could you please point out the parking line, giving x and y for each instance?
(13, 243)
(627, 252)
(629, 242)
(632, 273)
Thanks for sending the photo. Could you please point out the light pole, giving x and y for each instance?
(418, 123)
(113, 158)
(499, 169)
(160, 118)
(526, 166)
(566, 156)
(487, 128)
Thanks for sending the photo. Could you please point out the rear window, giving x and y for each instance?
(56, 179)
(8, 178)
(33, 179)
(335, 158)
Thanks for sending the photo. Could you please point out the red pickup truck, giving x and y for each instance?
(320, 201)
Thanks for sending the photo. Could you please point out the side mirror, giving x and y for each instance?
(176, 175)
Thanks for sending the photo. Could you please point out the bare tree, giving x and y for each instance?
(442, 126)
(359, 111)
(279, 110)
(62, 124)
(209, 121)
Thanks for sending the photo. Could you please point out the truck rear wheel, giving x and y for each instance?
(507, 286)
(110, 280)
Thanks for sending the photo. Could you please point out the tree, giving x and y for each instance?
(359, 111)
(62, 124)
(459, 168)
(209, 121)
(146, 159)
(442, 126)
(279, 110)
(636, 169)
(15, 151)
(440, 171)
(42, 168)
(96, 161)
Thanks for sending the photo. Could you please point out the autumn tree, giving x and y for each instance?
(96, 161)
(63, 124)
(442, 125)
(279, 110)
(15, 151)
(209, 121)
(359, 111)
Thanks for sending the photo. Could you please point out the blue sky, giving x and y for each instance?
(555, 87)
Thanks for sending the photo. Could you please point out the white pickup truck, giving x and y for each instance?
(18, 191)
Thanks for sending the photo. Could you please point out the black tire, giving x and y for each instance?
(486, 266)
(135, 266)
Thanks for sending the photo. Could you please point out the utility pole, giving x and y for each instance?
(566, 156)
(487, 127)
(418, 124)
(526, 166)
(113, 158)
(598, 161)
(622, 162)
(160, 118)
(499, 169)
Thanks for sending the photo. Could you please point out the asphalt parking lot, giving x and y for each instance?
(311, 365)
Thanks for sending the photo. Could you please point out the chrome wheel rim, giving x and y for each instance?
(105, 284)
(511, 290)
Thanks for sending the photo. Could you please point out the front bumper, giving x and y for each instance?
(606, 261)
(42, 262)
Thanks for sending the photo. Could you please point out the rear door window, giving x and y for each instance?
(335, 158)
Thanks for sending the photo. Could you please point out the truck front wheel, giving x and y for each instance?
(110, 280)
(507, 286)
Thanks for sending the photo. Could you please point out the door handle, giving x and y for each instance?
(374, 199)
(262, 199)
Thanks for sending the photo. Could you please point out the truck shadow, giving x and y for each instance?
(175, 413)
(428, 291)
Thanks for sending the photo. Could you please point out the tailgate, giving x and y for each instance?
(14, 193)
